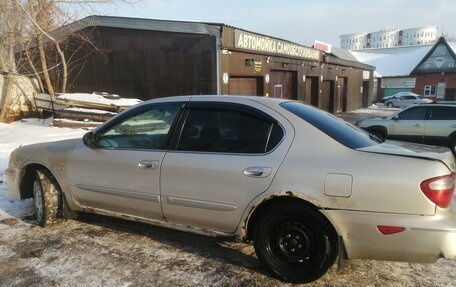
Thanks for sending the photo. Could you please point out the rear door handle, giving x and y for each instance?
(418, 125)
(148, 164)
(257, 171)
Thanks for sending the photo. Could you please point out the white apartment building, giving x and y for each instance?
(390, 38)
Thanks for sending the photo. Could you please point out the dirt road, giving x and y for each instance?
(101, 251)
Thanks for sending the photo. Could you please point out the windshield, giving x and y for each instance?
(338, 129)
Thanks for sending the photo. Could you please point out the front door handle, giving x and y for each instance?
(453, 126)
(148, 164)
(418, 126)
(257, 171)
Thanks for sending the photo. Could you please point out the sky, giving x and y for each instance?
(299, 21)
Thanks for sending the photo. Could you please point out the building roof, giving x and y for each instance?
(141, 24)
(343, 54)
(400, 61)
(393, 62)
(437, 67)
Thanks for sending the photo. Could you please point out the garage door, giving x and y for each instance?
(326, 101)
(283, 85)
(245, 86)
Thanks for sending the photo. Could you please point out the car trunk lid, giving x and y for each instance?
(414, 150)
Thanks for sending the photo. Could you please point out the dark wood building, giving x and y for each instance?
(146, 58)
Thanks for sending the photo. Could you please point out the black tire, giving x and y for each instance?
(295, 242)
(389, 105)
(379, 134)
(46, 198)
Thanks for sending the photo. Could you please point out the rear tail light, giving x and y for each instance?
(439, 189)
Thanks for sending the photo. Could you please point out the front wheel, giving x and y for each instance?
(295, 242)
(46, 198)
(389, 105)
(380, 135)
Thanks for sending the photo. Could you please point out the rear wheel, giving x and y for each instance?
(46, 198)
(295, 242)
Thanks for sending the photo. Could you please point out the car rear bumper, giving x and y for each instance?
(424, 239)
(11, 181)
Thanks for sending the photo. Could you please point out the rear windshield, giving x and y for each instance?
(340, 130)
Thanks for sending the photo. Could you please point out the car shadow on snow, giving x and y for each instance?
(224, 250)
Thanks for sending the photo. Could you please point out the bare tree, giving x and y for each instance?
(30, 25)
(10, 33)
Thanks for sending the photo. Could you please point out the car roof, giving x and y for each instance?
(435, 105)
(259, 99)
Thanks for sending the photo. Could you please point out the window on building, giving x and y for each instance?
(429, 90)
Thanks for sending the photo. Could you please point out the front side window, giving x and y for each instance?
(418, 114)
(228, 131)
(146, 130)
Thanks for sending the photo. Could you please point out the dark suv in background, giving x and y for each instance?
(432, 124)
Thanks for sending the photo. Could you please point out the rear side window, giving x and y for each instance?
(340, 130)
(443, 113)
(228, 131)
(416, 113)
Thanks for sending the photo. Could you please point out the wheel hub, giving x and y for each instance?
(295, 241)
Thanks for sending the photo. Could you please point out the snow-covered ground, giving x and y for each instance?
(27, 131)
(100, 251)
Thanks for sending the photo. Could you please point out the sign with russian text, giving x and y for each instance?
(249, 41)
(397, 83)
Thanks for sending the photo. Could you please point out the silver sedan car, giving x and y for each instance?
(405, 99)
(299, 183)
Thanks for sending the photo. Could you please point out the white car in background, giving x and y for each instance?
(431, 124)
(405, 99)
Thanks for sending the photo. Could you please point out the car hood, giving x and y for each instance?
(42, 152)
(414, 150)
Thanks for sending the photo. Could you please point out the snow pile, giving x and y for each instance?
(93, 111)
(97, 99)
(378, 110)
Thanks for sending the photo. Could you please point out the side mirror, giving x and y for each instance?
(89, 139)
(396, 118)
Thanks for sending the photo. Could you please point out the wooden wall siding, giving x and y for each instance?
(149, 64)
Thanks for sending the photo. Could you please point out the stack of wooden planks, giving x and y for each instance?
(82, 110)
